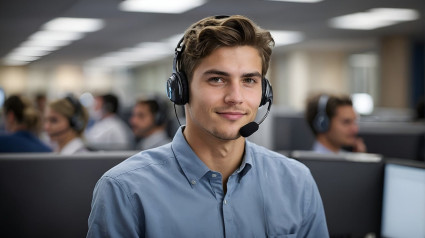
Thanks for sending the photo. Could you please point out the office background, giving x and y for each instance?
(130, 54)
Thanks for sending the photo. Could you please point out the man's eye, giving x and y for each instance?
(249, 80)
(216, 80)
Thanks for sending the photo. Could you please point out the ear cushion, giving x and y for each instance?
(321, 121)
(177, 88)
(267, 92)
(161, 116)
(76, 121)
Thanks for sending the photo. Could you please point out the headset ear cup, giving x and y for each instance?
(321, 123)
(76, 122)
(161, 116)
(177, 90)
(267, 92)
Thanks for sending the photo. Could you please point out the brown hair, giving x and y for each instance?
(211, 33)
(333, 102)
(67, 109)
(24, 112)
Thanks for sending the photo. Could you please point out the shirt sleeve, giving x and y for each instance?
(314, 223)
(112, 212)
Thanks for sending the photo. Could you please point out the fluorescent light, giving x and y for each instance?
(25, 58)
(374, 18)
(54, 44)
(74, 24)
(31, 51)
(363, 103)
(14, 62)
(286, 37)
(56, 35)
(301, 1)
(160, 6)
(395, 14)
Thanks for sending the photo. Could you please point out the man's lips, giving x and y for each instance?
(231, 115)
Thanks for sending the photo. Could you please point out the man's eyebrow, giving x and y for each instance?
(217, 72)
(250, 75)
(222, 73)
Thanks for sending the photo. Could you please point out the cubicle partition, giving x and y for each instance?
(351, 189)
(48, 195)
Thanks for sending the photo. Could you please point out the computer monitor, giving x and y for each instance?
(403, 205)
(351, 190)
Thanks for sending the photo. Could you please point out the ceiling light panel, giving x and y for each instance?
(74, 24)
(160, 6)
(374, 18)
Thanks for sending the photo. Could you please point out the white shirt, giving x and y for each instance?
(73, 147)
(110, 133)
(156, 139)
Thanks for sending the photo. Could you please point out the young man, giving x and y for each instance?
(109, 132)
(334, 124)
(210, 181)
(148, 122)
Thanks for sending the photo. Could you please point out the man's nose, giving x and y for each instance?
(234, 93)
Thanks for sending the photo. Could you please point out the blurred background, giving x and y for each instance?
(371, 49)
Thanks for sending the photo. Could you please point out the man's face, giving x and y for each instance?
(225, 92)
(343, 128)
(141, 120)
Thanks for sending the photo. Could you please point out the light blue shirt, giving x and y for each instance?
(169, 192)
(320, 148)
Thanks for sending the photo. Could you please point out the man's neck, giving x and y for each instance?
(327, 144)
(223, 156)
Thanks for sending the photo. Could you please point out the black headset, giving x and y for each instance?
(161, 116)
(321, 121)
(178, 85)
(76, 121)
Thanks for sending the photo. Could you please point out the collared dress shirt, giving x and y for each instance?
(169, 192)
(319, 148)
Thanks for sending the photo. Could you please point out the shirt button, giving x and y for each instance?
(214, 175)
(193, 182)
(225, 202)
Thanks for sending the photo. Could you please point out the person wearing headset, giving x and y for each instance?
(65, 121)
(148, 121)
(109, 132)
(210, 181)
(333, 122)
(22, 124)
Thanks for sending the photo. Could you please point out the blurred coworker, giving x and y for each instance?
(22, 121)
(65, 121)
(148, 121)
(334, 124)
(109, 132)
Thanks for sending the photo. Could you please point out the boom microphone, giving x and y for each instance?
(253, 126)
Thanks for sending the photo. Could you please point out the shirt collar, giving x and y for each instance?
(193, 167)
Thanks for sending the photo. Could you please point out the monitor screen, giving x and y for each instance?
(403, 207)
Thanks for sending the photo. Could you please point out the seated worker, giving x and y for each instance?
(109, 132)
(210, 181)
(333, 122)
(64, 121)
(22, 122)
(148, 122)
